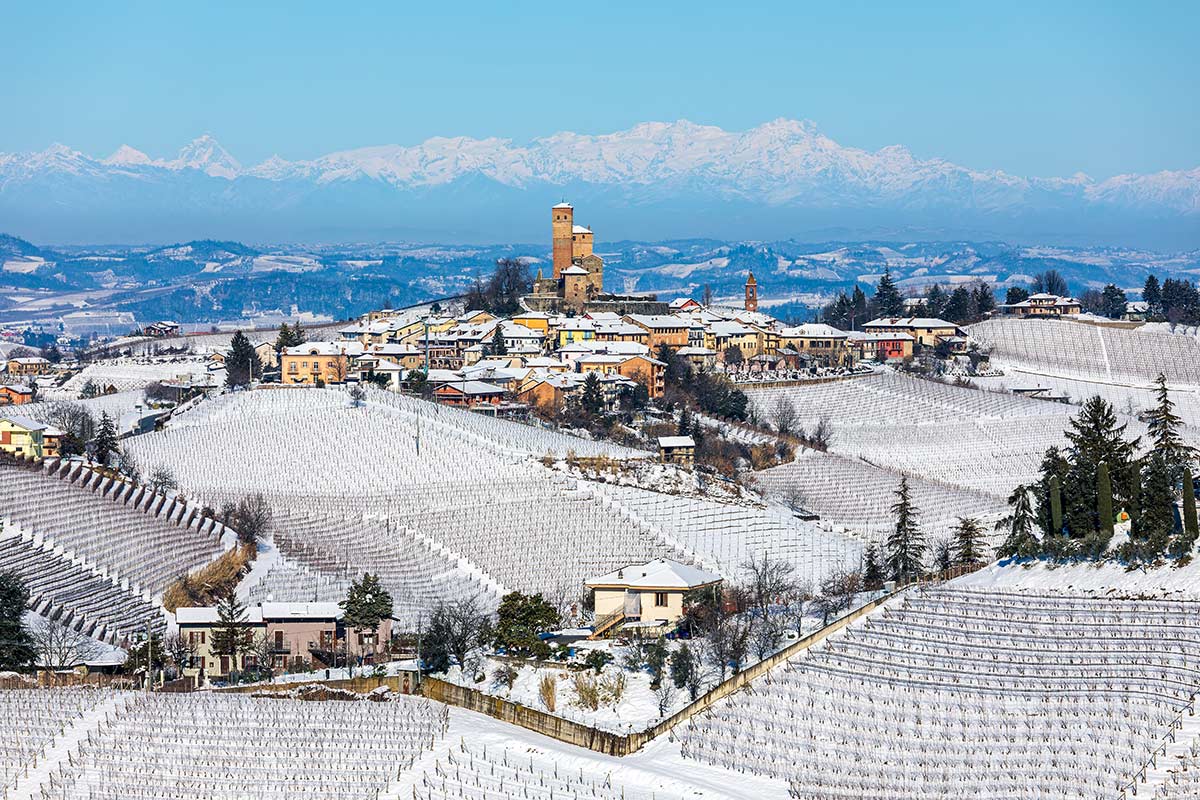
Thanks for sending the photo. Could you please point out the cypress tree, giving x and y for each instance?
(1056, 515)
(1189, 506)
(1104, 500)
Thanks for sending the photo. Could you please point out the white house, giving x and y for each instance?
(645, 593)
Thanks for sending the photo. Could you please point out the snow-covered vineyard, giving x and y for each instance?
(958, 693)
(693, 579)
(397, 493)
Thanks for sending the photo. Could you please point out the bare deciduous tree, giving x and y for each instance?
(783, 415)
(162, 479)
(60, 646)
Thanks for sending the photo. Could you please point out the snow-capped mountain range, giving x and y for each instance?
(783, 178)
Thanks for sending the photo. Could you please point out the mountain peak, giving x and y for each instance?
(206, 154)
(128, 156)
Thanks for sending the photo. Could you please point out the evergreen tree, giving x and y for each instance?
(104, 444)
(284, 338)
(1152, 294)
(985, 301)
(1056, 514)
(858, 308)
(499, 348)
(299, 335)
(592, 398)
(1112, 303)
(1054, 468)
(684, 426)
(682, 666)
(16, 645)
(1020, 541)
(1164, 428)
(1156, 523)
(1185, 543)
(1095, 438)
(230, 635)
(872, 570)
(906, 545)
(969, 542)
(935, 300)
(367, 604)
(1016, 294)
(1104, 500)
(242, 364)
(519, 620)
(888, 302)
(959, 308)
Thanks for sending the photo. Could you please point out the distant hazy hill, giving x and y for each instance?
(653, 181)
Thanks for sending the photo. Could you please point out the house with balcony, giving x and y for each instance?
(647, 596)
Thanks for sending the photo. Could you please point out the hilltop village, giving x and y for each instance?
(549, 516)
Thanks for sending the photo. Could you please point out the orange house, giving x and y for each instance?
(662, 329)
(15, 395)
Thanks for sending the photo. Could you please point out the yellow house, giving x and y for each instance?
(22, 437)
(721, 336)
(823, 344)
(33, 365)
(535, 321)
(646, 595)
(327, 362)
(571, 330)
(925, 331)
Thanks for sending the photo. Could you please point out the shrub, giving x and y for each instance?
(612, 688)
(504, 675)
(587, 691)
(548, 691)
(597, 660)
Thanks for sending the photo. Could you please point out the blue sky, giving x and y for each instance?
(1037, 88)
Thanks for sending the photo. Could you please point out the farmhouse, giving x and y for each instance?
(31, 365)
(677, 450)
(1043, 305)
(925, 331)
(646, 593)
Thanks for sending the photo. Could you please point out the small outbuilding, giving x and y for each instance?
(677, 450)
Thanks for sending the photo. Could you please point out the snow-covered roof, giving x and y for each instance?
(23, 422)
(274, 611)
(813, 330)
(563, 205)
(574, 270)
(676, 441)
(658, 321)
(657, 574)
(580, 229)
(207, 615)
(695, 351)
(909, 322)
(891, 336)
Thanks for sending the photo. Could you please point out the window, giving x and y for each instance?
(660, 599)
(278, 640)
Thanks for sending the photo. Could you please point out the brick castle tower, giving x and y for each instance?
(563, 224)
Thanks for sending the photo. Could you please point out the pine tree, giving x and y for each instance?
(906, 545)
(1095, 437)
(367, 604)
(498, 346)
(1156, 523)
(592, 398)
(242, 364)
(299, 335)
(1152, 294)
(1183, 544)
(959, 307)
(985, 301)
(16, 645)
(1020, 541)
(935, 300)
(872, 569)
(104, 443)
(284, 339)
(969, 542)
(1164, 428)
(229, 635)
(858, 308)
(888, 302)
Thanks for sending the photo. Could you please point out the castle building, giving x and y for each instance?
(578, 273)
